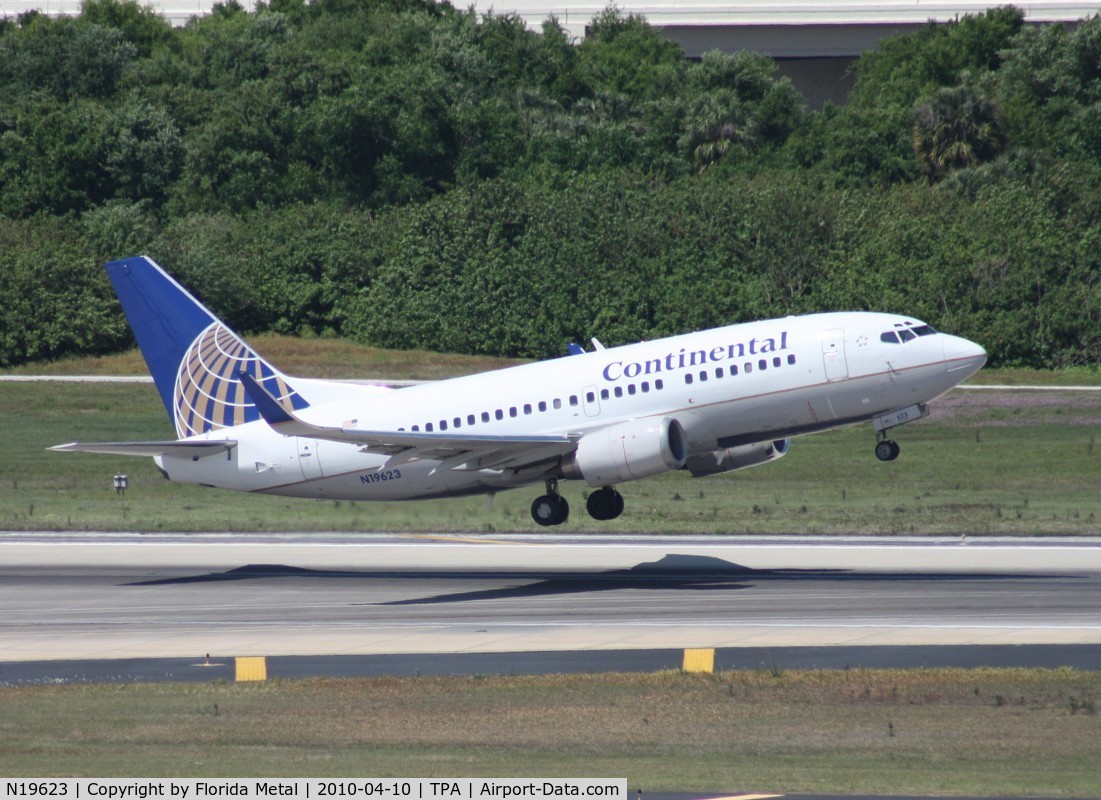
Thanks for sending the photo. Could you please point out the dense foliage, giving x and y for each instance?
(414, 176)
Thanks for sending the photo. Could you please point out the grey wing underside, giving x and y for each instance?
(454, 451)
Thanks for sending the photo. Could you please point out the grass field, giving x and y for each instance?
(971, 733)
(985, 463)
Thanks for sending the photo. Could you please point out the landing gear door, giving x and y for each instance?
(833, 355)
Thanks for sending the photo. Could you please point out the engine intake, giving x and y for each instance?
(631, 450)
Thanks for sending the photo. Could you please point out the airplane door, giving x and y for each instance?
(833, 355)
(591, 401)
(308, 458)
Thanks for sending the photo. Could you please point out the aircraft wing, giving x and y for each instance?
(178, 449)
(456, 451)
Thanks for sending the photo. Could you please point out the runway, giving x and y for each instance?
(133, 596)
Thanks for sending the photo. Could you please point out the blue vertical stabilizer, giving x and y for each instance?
(193, 357)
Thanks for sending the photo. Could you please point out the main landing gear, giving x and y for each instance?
(552, 509)
(605, 503)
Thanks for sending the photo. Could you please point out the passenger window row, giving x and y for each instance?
(630, 390)
(720, 372)
(542, 406)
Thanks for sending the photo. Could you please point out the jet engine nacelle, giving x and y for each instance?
(732, 458)
(631, 450)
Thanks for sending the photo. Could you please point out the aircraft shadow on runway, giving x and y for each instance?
(673, 571)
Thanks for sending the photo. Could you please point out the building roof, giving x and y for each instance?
(177, 12)
(575, 15)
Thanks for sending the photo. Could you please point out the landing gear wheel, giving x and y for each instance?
(550, 510)
(605, 503)
(887, 450)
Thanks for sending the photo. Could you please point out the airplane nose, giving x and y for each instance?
(963, 357)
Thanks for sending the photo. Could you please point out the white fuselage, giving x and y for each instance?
(730, 386)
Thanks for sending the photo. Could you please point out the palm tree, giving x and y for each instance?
(957, 128)
(714, 123)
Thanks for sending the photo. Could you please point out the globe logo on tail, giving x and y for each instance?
(208, 396)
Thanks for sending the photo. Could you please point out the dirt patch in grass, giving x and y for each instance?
(307, 358)
(1019, 408)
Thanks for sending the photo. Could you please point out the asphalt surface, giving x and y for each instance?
(204, 669)
(519, 604)
(112, 608)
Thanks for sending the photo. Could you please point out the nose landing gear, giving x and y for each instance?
(885, 449)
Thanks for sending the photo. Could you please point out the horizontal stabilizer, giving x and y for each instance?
(175, 448)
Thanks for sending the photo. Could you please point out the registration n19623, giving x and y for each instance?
(381, 475)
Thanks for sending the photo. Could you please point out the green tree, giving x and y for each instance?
(53, 156)
(624, 55)
(714, 124)
(57, 301)
(1050, 87)
(777, 108)
(139, 25)
(906, 69)
(957, 128)
(144, 154)
(855, 146)
(736, 102)
(65, 56)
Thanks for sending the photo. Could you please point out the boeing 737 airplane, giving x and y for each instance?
(708, 402)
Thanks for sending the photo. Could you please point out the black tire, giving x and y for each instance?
(886, 450)
(605, 504)
(543, 510)
(550, 510)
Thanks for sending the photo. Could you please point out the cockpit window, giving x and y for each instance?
(906, 332)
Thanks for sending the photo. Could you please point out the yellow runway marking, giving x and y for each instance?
(252, 668)
(699, 660)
